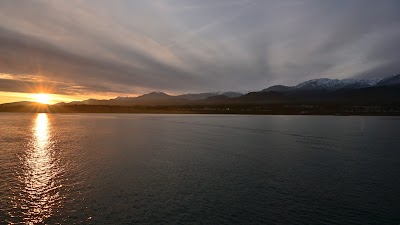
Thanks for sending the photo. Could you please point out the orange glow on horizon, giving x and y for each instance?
(42, 98)
(43, 91)
(7, 97)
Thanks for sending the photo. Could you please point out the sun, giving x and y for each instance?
(42, 98)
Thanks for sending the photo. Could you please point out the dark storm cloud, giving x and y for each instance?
(179, 45)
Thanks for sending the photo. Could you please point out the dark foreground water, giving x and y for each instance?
(198, 169)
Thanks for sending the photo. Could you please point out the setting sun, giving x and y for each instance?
(42, 98)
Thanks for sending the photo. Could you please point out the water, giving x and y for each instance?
(198, 169)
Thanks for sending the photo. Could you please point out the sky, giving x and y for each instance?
(81, 49)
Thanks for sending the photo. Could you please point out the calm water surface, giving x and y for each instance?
(198, 169)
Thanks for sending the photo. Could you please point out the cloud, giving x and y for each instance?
(131, 47)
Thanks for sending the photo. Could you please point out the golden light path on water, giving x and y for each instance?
(40, 171)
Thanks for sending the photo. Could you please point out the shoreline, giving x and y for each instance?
(271, 109)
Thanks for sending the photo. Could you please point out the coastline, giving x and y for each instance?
(273, 109)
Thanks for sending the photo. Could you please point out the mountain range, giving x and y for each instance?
(323, 90)
(160, 98)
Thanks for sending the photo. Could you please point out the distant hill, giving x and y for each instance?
(24, 106)
(278, 88)
(201, 96)
(330, 91)
(335, 84)
(325, 84)
(390, 81)
(159, 98)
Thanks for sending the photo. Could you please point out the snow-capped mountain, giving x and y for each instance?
(390, 81)
(335, 84)
(327, 84)
(312, 91)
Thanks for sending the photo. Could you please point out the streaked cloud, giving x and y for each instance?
(131, 47)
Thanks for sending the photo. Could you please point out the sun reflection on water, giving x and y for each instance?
(40, 194)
